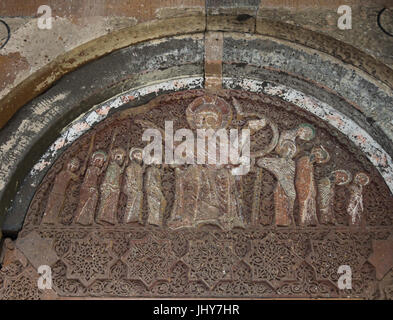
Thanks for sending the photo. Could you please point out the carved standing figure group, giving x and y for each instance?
(104, 198)
(208, 194)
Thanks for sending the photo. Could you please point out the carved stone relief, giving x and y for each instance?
(119, 227)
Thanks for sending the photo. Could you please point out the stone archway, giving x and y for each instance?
(95, 108)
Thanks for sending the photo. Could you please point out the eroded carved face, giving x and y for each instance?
(306, 132)
(98, 161)
(319, 155)
(73, 165)
(288, 149)
(208, 117)
(361, 179)
(118, 156)
(341, 177)
(136, 155)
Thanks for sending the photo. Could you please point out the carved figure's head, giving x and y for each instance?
(319, 155)
(118, 155)
(341, 177)
(209, 112)
(98, 158)
(306, 132)
(73, 165)
(136, 154)
(288, 149)
(362, 179)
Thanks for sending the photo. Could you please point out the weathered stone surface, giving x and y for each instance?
(208, 254)
(144, 64)
(215, 7)
(37, 250)
(213, 60)
(89, 51)
(382, 257)
(322, 18)
(116, 55)
(262, 58)
(86, 22)
(10, 65)
(141, 9)
(10, 253)
(239, 23)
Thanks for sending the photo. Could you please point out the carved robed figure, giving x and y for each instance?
(133, 187)
(110, 188)
(206, 193)
(305, 185)
(89, 190)
(58, 192)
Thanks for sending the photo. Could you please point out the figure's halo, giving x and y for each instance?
(219, 104)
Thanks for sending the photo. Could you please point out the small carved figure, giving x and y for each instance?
(284, 193)
(284, 170)
(110, 188)
(304, 131)
(179, 217)
(58, 193)
(326, 190)
(305, 185)
(355, 205)
(156, 202)
(89, 190)
(133, 187)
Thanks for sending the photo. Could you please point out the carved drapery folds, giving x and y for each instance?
(310, 200)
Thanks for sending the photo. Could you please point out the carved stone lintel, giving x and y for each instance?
(132, 229)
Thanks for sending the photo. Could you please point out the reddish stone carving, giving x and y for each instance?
(304, 131)
(355, 205)
(133, 186)
(125, 229)
(89, 259)
(89, 190)
(272, 260)
(110, 188)
(149, 260)
(156, 202)
(284, 193)
(328, 255)
(205, 194)
(382, 257)
(23, 286)
(326, 189)
(305, 185)
(210, 260)
(58, 192)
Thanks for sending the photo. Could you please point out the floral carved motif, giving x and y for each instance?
(149, 260)
(88, 259)
(210, 260)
